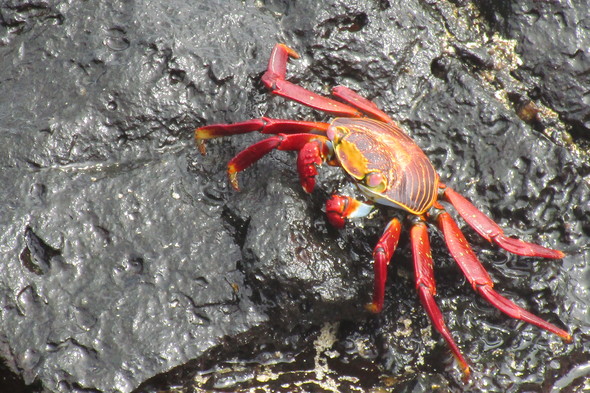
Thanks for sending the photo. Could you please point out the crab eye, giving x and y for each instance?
(335, 133)
(376, 181)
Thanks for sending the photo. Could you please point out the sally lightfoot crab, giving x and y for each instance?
(389, 169)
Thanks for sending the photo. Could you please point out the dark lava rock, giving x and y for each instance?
(128, 263)
(552, 41)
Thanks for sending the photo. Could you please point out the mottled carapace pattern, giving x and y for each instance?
(412, 182)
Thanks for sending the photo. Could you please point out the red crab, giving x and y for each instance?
(388, 168)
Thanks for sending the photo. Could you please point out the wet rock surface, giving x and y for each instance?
(128, 263)
(552, 41)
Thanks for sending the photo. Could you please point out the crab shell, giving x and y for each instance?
(388, 166)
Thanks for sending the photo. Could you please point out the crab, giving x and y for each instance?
(389, 169)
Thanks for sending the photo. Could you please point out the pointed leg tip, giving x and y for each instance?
(373, 308)
(308, 189)
(290, 51)
(520, 247)
(201, 134)
(466, 371)
(201, 147)
(233, 178)
(551, 254)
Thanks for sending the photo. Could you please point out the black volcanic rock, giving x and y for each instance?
(129, 263)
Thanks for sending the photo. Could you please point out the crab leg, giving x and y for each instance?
(339, 208)
(274, 80)
(297, 142)
(489, 230)
(382, 255)
(352, 98)
(426, 287)
(264, 125)
(480, 279)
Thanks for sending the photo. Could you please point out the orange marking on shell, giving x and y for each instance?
(352, 159)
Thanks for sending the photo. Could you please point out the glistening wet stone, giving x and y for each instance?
(129, 263)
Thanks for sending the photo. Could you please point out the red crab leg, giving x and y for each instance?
(253, 153)
(480, 279)
(351, 97)
(339, 208)
(382, 255)
(274, 79)
(489, 230)
(264, 125)
(426, 287)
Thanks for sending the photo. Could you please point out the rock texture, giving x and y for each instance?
(129, 264)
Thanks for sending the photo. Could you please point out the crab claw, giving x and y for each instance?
(335, 208)
(339, 208)
(311, 155)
